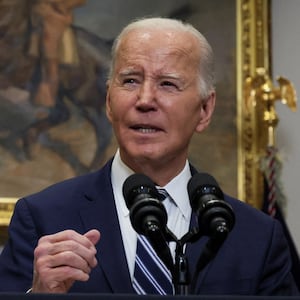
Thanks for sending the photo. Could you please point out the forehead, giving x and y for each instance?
(157, 44)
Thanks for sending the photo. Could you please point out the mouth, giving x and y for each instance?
(142, 128)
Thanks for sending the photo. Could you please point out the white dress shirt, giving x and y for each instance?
(179, 214)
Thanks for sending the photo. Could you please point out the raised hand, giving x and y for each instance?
(62, 258)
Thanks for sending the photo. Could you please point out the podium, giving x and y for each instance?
(74, 296)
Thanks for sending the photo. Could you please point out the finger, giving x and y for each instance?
(70, 240)
(93, 235)
(66, 258)
(59, 276)
(70, 249)
(47, 248)
(67, 235)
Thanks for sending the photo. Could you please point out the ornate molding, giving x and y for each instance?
(252, 53)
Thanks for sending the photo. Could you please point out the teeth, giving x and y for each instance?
(146, 130)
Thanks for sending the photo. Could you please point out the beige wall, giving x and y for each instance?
(286, 63)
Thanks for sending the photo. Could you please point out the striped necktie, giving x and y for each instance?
(151, 276)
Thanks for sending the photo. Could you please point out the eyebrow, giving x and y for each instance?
(135, 72)
(170, 76)
(130, 71)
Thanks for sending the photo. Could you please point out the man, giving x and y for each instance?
(160, 91)
(51, 20)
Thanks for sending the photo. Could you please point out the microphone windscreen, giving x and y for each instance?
(137, 184)
(203, 183)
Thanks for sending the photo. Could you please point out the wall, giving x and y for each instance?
(286, 63)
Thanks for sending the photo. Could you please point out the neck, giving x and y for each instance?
(160, 172)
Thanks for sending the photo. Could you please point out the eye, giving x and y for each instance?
(169, 84)
(129, 81)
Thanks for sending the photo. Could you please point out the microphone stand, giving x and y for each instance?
(180, 269)
(181, 273)
(181, 278)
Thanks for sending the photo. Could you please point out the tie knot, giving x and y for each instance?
(163, 194)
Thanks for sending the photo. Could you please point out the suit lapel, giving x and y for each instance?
(101, 213)
(194, 251)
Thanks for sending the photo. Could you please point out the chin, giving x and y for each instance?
(140, 154)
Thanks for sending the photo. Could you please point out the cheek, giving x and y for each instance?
(186, 127)
(116, 107)
(186, 117)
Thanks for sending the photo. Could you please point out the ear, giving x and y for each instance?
(207, 109)
(108, 103)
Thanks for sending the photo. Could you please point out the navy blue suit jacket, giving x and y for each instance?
(253, 260)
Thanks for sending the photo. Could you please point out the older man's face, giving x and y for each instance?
(153, 98)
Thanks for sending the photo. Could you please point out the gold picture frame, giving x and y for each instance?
(252, 52)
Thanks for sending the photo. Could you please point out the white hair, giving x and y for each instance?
(206, 60)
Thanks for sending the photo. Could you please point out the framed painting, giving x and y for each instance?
(52, 94)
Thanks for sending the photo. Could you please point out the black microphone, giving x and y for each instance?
(215, 215)
(148, 215)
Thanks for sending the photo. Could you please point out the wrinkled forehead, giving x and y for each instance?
(161, 36)
(153, 39)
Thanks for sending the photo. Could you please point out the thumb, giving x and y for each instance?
(93, 235)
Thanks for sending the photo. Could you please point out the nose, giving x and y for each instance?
(146, 99)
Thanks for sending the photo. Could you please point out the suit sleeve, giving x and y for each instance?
(276, 276)
(16, 260)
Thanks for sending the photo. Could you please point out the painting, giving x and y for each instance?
(52, 91)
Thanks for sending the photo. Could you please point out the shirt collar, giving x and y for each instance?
(176, 188)
(119, 173)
